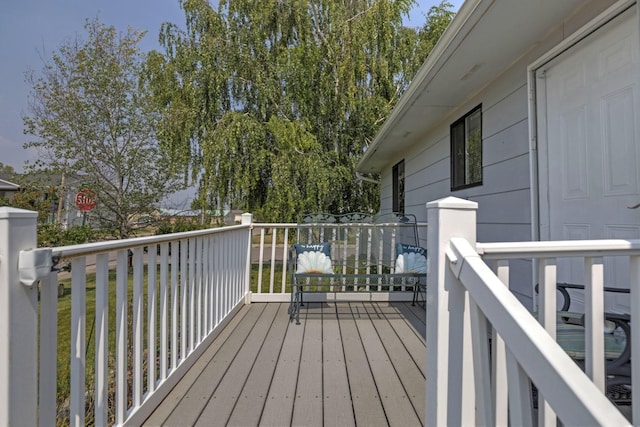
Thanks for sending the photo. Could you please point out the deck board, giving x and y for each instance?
(279, 403)
(338, 409)
(198, 395)
(172, 402)
(346, 364)
(248, 409)
(307, 410)
(403, 363)
(414, 315)
(364, 393)
(225, 396)
(411, 340)
(397, 406)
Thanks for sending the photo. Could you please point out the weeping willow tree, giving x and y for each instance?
(269, 105)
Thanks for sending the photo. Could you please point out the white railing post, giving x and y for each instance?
(18, 322)
(247, 219)
(447, 218)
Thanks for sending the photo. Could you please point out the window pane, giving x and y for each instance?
(466, 150)
(458, 153)
(401, 187)
(473, 160)
(398, 187)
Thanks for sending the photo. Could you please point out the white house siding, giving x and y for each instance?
(504, 198)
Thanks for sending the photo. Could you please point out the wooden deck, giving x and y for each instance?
(346, 364)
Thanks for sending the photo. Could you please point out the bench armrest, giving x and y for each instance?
(619, 365)
(566, 301)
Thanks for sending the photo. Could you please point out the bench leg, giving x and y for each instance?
(418, 295)
(300, 303)
(294, 306)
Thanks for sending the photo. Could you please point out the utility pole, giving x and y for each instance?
(61, 194)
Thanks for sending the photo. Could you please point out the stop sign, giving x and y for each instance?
(85, 200)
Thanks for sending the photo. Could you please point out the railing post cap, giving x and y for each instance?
(247, 218)
(8, 212)
(452, 203)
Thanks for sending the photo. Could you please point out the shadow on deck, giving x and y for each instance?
(346, 364)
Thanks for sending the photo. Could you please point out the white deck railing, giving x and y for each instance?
(270, 257)
(270, 252)
(466, 386)
(164, 317)
(157, 303)
(172, 294)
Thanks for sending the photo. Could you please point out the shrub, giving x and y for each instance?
(51, 235)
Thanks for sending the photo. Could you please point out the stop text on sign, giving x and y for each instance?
(85, 200)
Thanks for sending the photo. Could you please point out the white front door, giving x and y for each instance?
(589, 149)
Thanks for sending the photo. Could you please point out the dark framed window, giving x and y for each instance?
(398, 187)
(466, 150)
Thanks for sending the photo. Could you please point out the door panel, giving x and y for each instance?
(572, 146)
(590, 128)
(620, 167)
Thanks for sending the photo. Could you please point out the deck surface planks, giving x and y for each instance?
(256, 389)
(393, 335)
(414, 337)
(307, 410)
(279, 403)
(197, 397)
(176, 398)
(338, 409)
(364, 393)
(394, 398)
(346, 364)
(228, 391)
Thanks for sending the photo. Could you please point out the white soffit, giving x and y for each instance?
(484, 38)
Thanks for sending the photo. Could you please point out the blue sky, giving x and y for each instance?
(31, 28)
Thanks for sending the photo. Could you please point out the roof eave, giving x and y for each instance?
(436, 59)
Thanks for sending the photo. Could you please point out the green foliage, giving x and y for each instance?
(7, 169)
(49, 235)
(269, 105)
(91, 117)
(438, 19)
(179, 226)
(79, 234)
(36, 193)
(35, 197)
(52, 235)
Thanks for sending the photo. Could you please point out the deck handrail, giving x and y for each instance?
(85, 249)
(558, 248)
(173, 294)
(575, 399)
(463, 293)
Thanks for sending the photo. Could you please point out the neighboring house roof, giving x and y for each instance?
(8, 186)
(178, 212)
(484, 39)
(190, 213)
(71, 181)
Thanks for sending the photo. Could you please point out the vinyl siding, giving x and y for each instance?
(504, 198)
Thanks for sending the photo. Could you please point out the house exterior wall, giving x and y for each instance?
(505, 197)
